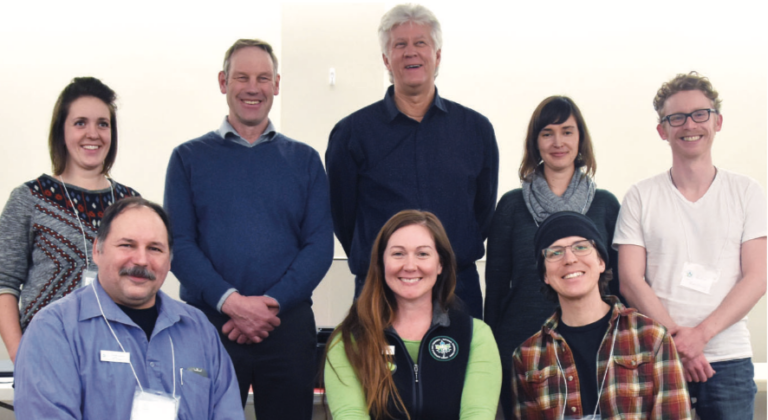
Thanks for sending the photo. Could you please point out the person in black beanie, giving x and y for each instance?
(554, 374)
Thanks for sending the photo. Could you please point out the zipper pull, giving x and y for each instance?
(416, 371)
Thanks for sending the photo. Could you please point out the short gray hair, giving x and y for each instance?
(404, 13)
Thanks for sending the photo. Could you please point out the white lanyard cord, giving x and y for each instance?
(562, 372)
(77, 216)
(173, 365)
(118, 341)
(607, 366)
(173, 353)
(685, 231)
(605, 375)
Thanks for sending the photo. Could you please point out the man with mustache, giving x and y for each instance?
(120, 347)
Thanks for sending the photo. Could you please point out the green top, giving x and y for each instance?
(413, 348)
(482, 383)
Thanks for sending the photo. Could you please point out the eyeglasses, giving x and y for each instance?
(699, 116)
(580, 248)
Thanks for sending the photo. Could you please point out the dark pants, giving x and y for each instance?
(729, 394)
(467, 289)
(506, 391)
(281, 368)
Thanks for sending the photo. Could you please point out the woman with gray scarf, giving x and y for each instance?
(557, 175)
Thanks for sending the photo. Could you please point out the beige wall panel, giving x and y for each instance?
(499, 58)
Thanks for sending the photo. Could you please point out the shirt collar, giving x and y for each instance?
(391, 107)
(439, 316)
(227, 132)
(167, 315)
(550, 325)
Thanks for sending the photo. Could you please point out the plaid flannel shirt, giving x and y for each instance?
(645, 380)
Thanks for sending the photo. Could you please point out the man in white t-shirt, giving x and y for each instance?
(692, 251)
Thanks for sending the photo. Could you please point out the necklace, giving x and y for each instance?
(673, 179)
(77, 216)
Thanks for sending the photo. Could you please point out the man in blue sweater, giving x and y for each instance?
(251, 219)
(414, 150)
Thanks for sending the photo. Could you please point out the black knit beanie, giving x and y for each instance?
(562, 225)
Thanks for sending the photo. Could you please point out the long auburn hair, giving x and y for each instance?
(362, 331)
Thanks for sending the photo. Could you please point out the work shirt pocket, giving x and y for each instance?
(545, 385)
(195, 395)
(633, 382)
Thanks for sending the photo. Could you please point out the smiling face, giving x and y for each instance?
(559, 145)
(135, 258)
(412, 60)
(87, 134)
(250, 86)
(575, 277)
(692, 139)
(412, 264)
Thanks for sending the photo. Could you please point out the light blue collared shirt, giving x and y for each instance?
(61, 372)
(226, 131)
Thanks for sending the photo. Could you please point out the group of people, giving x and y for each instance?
(410, 191)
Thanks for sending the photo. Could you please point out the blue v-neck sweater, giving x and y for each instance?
(255, 219)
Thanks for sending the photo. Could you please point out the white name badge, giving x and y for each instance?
(389, 351)
(698, 277)
(115, 356)
(152, 405)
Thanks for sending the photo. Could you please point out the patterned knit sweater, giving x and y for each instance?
(42, 253)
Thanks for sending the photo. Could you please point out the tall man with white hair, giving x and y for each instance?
(414, 150)
(692, 251)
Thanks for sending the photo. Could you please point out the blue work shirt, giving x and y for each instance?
(59, 372)
(380, 161)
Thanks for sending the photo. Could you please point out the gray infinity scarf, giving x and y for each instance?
(542, 202)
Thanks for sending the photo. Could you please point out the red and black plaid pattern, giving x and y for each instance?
(645, 379)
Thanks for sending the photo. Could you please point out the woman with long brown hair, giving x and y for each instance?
(404, 350)
(557, 174)
(48, 224)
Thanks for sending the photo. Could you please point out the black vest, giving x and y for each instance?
(431, 389)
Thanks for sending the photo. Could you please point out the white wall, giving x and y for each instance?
(501, 60)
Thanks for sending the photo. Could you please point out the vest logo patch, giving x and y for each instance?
(443, 348)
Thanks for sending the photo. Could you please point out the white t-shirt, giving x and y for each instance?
(709, 233)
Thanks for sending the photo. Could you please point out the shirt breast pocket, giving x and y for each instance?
(195, 388)
(545, 384)
(633, 381)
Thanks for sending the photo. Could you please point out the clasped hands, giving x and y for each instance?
(690, 344)
(252, 318)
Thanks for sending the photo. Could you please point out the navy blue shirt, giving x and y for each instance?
(380, 162)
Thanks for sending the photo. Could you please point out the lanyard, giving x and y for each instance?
(680, 213)
(173, 356)
(77, 217)
(605, 375)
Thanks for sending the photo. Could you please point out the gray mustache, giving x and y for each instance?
(137, 271)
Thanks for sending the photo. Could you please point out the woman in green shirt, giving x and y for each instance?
(406, 349)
